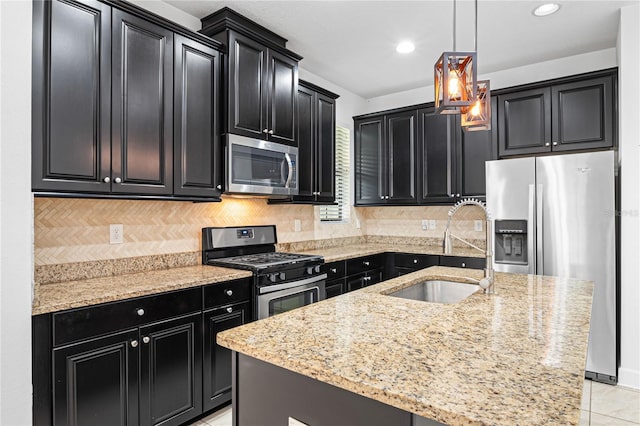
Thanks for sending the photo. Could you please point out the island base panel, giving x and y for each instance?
(266, 395)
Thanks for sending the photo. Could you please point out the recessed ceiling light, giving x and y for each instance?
(405, 47)
(546, 9)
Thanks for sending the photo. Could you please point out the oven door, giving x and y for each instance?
(260, 167)
(279, 298)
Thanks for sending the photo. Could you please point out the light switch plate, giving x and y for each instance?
(432, 224)
(294, 422)
(477, 225)
(425, 224)
(296, 225)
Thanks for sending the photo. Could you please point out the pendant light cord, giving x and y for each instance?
(454, 25)
(475, 36)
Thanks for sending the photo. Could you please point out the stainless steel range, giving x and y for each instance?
(282, 281)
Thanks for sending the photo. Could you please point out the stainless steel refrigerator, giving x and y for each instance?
(555, 215)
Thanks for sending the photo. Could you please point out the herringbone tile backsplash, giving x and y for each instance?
(77, 230)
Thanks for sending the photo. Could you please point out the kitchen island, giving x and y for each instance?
(514, 357)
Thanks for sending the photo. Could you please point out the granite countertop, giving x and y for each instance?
(75, 294)
(515, 357)
(333, 254)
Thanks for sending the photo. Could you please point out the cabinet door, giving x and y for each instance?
(306, 144)
(473, 150)
(247, 92)
(524, 121)
(196, 137)
(335, 288)
(370, 162)
(356, 282)
(171, 371)
(282, 114)
(583, 114)
(95, 382)
(326, 148)
(437, 136)
(217, 359)
(401, 145)
(71, 96)
(142, 107)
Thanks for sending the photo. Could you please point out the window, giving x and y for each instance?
(340, 211)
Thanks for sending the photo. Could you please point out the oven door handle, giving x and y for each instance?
(292, 284)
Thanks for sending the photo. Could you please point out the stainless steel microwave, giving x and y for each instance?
(259, 167)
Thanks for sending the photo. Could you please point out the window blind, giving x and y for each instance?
(340, 211)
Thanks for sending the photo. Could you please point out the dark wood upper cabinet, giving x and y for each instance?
(473, 150)
(401, 157)
(196, 135)
(568, 116)
(71, 121)
(583, 114)
(261, 78)
(385, 159)
(316, 145)
(142, 107)
(438, 134)
(370, 164)
(103, 104)
(524, 120)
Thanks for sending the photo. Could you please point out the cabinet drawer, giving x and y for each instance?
(334, 269)
(463, 262)
(335, 288)
(366, 263)
(81, 323)
(226, 293)
(415, 261)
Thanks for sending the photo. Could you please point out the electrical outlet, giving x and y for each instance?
(357, 223)
(116, 233)
(477, 225)
(296, 225)
(425, 224)
(432, 224)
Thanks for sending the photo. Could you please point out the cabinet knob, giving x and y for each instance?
(334, 270)
(382, 197)
(367, 278)
(366, 263)
(146, 339)
(106, 179)
(386, 197)
(270, 132)
(464, 265)
(140, 312)
(228, 292)
(265, 130)
(415, 260)
(219, 186)
(117, 180)
(457, 195)
(229, 309)
(134, 343)
(546, 144)
(555, 143)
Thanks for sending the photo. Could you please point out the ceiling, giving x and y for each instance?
(352, 43)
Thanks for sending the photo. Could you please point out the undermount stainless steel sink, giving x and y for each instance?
(437, 291)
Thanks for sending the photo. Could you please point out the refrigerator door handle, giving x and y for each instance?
(531, 227)
(539, 231)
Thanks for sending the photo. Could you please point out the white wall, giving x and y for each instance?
(571, 65)
(169, 12)
(629, 138)
(16, 213)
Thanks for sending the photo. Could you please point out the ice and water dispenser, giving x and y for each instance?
(511, 242)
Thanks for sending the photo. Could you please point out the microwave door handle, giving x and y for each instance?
(290, 174)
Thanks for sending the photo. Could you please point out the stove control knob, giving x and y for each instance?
(273, 278)
(282, 276)
(309, 270)
(317, 269)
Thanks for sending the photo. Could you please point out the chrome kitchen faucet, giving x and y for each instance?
(487, 283)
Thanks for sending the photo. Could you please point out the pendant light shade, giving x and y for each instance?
(455, 82)
(478, 116)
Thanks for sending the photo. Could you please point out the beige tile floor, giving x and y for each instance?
(602, 405)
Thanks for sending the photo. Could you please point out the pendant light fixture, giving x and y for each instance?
(478, 115)
(455, 78)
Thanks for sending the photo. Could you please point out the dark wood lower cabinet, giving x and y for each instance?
(171, 371)
(268, 395)
(217, 359)
(95, 381)
(335, 288)
(364, 279)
